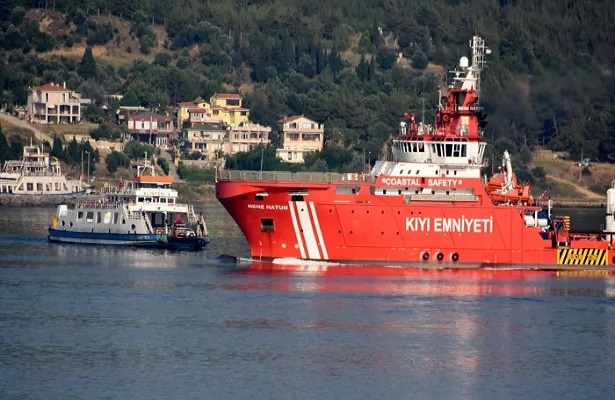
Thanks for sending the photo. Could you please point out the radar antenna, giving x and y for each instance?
(471, 80)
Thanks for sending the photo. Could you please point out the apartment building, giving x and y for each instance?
(149, 127)
(54, 104)
(299, 135)
(247, 135)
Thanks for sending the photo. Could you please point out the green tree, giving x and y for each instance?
(116, 160)
(87, 66)
(162, 163)
(57, 148)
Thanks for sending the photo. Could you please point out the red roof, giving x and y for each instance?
(49, 87)
(197, 110)
(290, 119)
(227, 96)
(155, 179)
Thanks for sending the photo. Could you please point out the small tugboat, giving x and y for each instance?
(143, 213)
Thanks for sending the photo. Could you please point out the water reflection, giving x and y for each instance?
(392, 281)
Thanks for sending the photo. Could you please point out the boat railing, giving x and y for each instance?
(283, 176)
(41, 173)
(98, 204)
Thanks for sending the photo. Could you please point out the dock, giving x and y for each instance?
(580, 203)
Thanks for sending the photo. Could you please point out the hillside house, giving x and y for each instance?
(228, 108)
(54, 104)
(149, 127)
(209, 139)
(246, 135)
(298, 136)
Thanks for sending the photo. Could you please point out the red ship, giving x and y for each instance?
(429, 207)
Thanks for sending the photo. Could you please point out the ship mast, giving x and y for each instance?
(471, 79)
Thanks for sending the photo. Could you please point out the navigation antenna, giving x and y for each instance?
(472, 78)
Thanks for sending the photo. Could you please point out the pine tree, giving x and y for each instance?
(362, 69)
(87, 66)
(57, 149)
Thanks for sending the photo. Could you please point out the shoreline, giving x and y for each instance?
(42, 200)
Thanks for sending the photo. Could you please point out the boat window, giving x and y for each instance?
(29, 187)
(163, 200)
(449, 150)
(39, 187)
(267, 225)
(401, 172)
(139, 199)
(107, 219)
(80, 215)
(99, 217)
(463, 150)
(347, 189)
(116, 218)
(89, 216)
(456, 150)
(296, 198)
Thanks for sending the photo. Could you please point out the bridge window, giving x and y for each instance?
(449, 150)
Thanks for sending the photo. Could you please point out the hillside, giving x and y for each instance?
(337, 63)
(566, 178)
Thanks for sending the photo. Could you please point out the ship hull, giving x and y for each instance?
(361, 228)
(98, 238)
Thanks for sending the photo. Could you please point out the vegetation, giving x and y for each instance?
(196, 174)
(162, 163)
(549, 81)
(9, 151)
(117, 160)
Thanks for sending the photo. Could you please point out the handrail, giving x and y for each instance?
(282, 176)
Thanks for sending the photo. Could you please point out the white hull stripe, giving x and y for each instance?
(308, 230)
(323, 248)
(291, 206)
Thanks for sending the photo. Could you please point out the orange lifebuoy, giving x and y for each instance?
(446, 117)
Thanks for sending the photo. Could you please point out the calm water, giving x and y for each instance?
(97, 322)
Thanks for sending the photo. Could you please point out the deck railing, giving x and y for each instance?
(282, 176)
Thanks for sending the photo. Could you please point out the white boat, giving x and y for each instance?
(145, 212)
(36, 173)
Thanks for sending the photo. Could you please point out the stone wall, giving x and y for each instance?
(27, 200)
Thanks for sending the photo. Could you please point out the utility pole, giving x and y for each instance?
(88, 166)
(492, 153)
(581, 165)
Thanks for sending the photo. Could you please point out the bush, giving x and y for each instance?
(162, 163)
(105, 133)
(196, 174)
(137, 150)
(116, 160)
